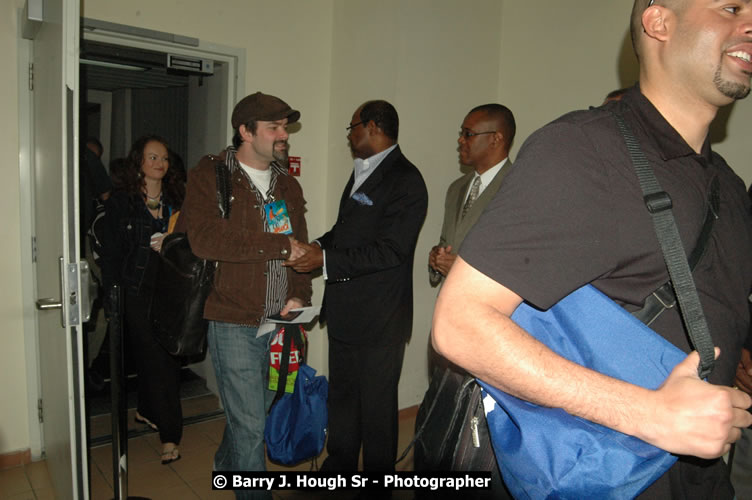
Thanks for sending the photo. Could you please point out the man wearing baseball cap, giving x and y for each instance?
(250, 283)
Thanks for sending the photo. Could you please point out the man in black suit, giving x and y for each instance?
(367, 260)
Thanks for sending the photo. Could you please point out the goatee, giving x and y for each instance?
(730, 89)
(280, 156)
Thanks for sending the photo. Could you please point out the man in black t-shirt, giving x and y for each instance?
(579, 218)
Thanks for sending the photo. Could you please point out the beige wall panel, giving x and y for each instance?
(13, 411)
(730, 134)
(559, 56)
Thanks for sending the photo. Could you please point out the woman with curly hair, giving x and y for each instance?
(137, 216)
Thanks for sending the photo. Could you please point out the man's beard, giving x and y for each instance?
(730, 89)
(280, 156)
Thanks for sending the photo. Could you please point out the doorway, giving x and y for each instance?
(54, 360)
(130, 86)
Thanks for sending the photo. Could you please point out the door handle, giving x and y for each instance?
(69, 290)
(47, 304)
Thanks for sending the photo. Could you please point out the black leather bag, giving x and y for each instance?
(451, 433)
(451, 425)
(183, 284)
(177, 308)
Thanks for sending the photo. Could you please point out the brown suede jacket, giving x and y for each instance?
(239, 243)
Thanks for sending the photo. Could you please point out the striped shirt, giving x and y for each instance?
(276, 275)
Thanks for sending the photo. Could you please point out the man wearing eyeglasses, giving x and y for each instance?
(367, 259)
(485, 139)
(572, 213)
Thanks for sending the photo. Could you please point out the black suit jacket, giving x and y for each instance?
(369, 255)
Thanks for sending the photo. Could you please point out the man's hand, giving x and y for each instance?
(293, 303)
(432, 255)
(744, 372)
(297, 249)
(441, 259)
(304, 257)
(693, 417)
(685, 416)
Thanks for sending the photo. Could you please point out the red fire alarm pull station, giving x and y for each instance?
(294, 165)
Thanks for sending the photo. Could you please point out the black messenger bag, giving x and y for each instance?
(183, 284)
(451, 433)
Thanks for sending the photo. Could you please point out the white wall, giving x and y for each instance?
(558, 56)
(14, 430)
(207, 115)
(730, 133)
(433, 59)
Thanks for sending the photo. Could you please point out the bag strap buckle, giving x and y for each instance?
(658, 202)
(665, 295)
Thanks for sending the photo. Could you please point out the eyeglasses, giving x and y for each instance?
(467, 134)
(354, 125)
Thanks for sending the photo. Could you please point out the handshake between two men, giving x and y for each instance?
(304, 257)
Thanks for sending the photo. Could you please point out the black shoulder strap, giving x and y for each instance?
(664, 297)
(659, 204)
(224, 188)
(291, 334)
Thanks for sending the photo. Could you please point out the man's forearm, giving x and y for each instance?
(507, 357)
(472, 328)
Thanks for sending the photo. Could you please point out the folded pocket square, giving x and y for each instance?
(362, 199)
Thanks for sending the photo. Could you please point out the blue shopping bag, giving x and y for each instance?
(548, 453)
(296, 425)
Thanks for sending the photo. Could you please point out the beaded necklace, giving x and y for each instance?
(154, 203)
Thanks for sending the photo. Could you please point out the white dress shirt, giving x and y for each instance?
(485, 179)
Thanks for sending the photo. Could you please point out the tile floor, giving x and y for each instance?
(188, 478)
(101, 426)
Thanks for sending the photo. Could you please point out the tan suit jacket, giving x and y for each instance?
(455, 227)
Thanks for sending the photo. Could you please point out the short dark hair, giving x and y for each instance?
(251, 126)
(635, 23)
(383, 115)
(95, 141)
(119, 173)
(178, 165)
(503, 117)
(616, 94)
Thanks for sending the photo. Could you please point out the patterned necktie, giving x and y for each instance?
(474, 190)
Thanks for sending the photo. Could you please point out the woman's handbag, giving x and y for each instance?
(177, 309)
(182, 286)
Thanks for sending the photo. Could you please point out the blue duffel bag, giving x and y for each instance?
(548, 453)
(296, 425)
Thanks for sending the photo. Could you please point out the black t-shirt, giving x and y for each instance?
(571, 212)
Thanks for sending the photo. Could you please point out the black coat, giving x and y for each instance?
(127, 257)
(369, 255)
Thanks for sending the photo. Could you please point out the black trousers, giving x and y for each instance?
(362, 406)
(158, 372)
